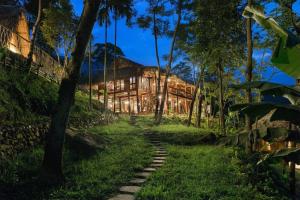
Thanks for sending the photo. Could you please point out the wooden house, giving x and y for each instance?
(135, 89)
(15, 37)
(14, 30)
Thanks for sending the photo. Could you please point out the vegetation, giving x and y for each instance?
(211, 37)
(31, 99)
(98, 176)
(202, 172)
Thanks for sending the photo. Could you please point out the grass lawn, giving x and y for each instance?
(95, 177)
(200, 172)
(174, 131)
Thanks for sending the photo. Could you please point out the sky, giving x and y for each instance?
(138, 44)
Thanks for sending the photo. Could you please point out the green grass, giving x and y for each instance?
(200, 173)
(29, 99)
(96, 177)
(173, 130)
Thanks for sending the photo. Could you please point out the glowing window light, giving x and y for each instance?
(14, 49)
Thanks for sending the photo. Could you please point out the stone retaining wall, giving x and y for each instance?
(17, 138)
(14, 139)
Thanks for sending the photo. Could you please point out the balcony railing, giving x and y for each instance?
(43, 63)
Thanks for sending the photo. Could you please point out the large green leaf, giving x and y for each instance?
(268, 88)
(279, 135)
(288, 155)
(286, 54)
(256, 111)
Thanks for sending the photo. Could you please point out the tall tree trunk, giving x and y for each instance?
(221, 99)
(200, 100)
(158, 67)
(90, 74)
(249, 64)
(52, 163)
(193, 99)
(105, 57)
(115, 57)
(201, 97)
(34, 33)
(168, 68)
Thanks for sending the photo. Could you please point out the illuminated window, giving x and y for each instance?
(132, 82)
(119, 85)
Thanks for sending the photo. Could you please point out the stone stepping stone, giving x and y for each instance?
(137, 181)
(156, 165)
(143, 174)
(159, 158)
(129, 189)
(158, 161)
(123, 197)
(161, 154)
(149, 169)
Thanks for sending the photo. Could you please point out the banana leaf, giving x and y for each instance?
(286, 54)
(268, 88)
(288, 155)
(279, 135)
(292, 154)
(281, 112)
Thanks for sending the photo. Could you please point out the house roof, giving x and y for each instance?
(10, 15)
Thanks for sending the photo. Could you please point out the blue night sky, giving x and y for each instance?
(138, 44)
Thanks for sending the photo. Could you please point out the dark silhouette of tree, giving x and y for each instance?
(52, 163)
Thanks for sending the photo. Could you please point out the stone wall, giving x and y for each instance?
(17, 138)
(14, 139)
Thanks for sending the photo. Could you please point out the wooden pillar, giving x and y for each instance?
(185, 100)
(120, 105)
(149, 84)
(98, 92)
(167, 101)
(137, 94)
(177, 106)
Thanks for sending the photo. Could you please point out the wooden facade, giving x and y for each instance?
(136, 88)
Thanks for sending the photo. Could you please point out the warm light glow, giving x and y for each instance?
(289, 144)
(297, 166)
(160, 97)
(13, 49)
(126, 102)
(268, 146)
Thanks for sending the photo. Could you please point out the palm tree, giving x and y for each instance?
(121, 8)
(249, 62)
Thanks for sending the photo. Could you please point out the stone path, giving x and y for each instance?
(128, 191)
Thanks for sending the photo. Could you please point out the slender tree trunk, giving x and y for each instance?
(193, 99)
(201, 97)
(158, 67)
(105, 58)
(168, 69)
(249, 64)
(115, 55)
(52, 163)
(221, 99)
(34, 33)
(200, 100)
(90, 74)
